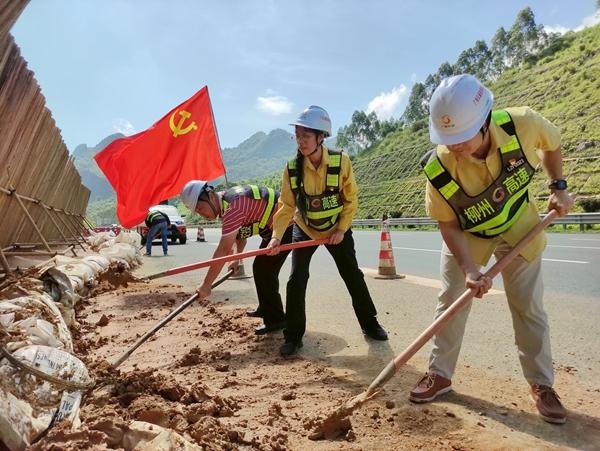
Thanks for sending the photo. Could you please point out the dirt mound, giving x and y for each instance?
(117, 277)
(207, 377)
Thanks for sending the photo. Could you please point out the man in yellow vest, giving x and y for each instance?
(477, 190)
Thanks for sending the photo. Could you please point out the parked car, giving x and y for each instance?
(177, 231)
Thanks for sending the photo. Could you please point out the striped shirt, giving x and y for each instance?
(243, 211)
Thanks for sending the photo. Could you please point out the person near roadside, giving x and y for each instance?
(244, 211)
(477, 190)
(319, 191)
(157, 222)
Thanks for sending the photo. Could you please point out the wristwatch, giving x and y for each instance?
(558, 184)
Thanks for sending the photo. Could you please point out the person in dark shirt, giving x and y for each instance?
(157, 222)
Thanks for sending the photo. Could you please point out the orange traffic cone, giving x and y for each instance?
(387, 266)
(200, 236)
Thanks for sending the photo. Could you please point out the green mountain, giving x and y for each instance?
(91, 175)
(259, 155)
(564, 86)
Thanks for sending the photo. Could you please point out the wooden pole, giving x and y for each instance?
(89, 224)
(67, 227)
(4, 262)
(233, 257)
(38, 231)
(395, 364)
(59, 229)
(76, 225)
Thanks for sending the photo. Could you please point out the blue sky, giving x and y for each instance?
(120, 65)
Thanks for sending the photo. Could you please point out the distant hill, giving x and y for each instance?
(259, 155)
(91, 176)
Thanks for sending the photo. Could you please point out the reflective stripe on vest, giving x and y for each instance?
(154, 215)
(495, 209)
(257, 193)
(322, 210)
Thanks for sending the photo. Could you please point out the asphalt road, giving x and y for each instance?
(571, 262)
(488, 358)
(572, 297)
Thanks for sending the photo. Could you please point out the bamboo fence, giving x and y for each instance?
(42, 199)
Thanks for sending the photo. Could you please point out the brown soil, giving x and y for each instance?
(208, 377)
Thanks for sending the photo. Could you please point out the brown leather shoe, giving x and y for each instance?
(430, 387)
(548, 404)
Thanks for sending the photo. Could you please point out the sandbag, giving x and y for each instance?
(29, 404)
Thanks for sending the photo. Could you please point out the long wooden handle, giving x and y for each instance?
(234, 257)
(441, 321)
(171, 315)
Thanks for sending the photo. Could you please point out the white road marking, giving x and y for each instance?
(573, 247)
(585, 239)
(543, 259)
(425, 281)
(418, 249)
(564, 261)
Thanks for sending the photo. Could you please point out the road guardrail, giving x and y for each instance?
(574, 218)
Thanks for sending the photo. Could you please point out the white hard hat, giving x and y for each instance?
(458, 109)
(316, 118)
(191, 191)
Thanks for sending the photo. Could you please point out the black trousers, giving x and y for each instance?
(266, 279)
(344, 256)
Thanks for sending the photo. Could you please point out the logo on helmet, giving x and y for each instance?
(446, 121)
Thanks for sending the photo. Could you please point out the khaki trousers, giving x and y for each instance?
(524, 291)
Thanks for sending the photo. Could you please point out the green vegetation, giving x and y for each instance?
(102, 212)
(560, 78)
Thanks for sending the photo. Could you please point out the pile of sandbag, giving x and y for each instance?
(41, 382)
(38, 338)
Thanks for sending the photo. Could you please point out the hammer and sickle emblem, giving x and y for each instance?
(179, 129)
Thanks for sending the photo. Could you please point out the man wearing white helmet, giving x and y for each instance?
(244, 211)
(477, 190)
(320, 192)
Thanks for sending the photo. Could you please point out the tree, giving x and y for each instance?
(499, 53)
(362, 132)
(418, 104)
(444, 71)
(525, 38)
(475, 61)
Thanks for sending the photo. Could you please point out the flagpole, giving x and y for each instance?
(212, 113)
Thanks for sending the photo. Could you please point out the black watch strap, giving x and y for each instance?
(558, 184)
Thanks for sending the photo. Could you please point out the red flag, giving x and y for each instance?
(153, 165)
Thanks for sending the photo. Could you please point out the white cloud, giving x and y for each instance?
(123, 126)
(274, 105)
(386, 103)
(587, 22)
(556, 29)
